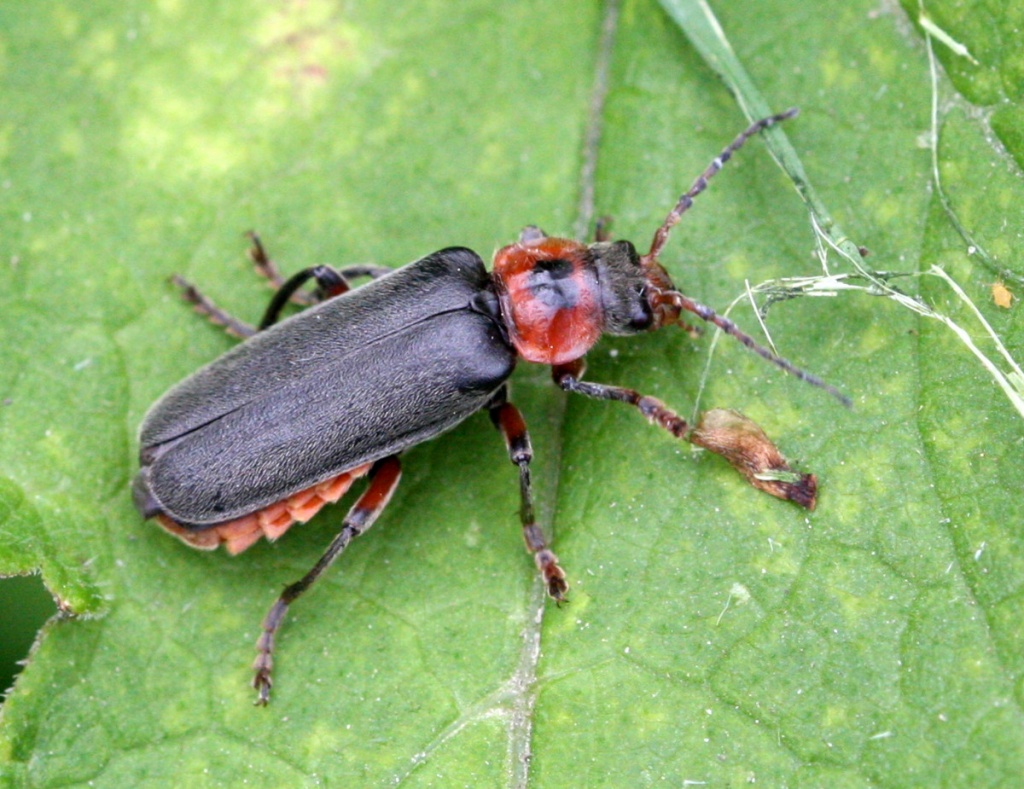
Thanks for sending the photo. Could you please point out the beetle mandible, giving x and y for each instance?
(282, 424)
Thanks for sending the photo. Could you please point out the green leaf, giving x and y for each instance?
(714, 634)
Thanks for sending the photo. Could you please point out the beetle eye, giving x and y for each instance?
(643, 316)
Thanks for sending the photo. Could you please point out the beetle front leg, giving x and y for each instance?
(727, 433)
(567, 376)
(508, 419)
(384, 478)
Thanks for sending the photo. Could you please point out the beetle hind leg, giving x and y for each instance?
(509, 421)
(384, 478)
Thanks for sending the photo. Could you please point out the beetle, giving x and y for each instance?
(284, 423)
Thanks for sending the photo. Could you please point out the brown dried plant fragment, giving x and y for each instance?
(744, 444)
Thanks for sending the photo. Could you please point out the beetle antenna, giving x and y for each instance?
(661, 236)
(672, 301)
(668, 302)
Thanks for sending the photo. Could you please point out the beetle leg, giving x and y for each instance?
(266, 267)
(726, 433)
(384, 478)
(567, 376)
(371, 270)
(216, 315)
(329, 281)
(508, 419)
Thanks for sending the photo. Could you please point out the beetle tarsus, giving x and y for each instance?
(205, 307)
(554, 577)
(262, 683)
(264, 662)
(268, 269)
